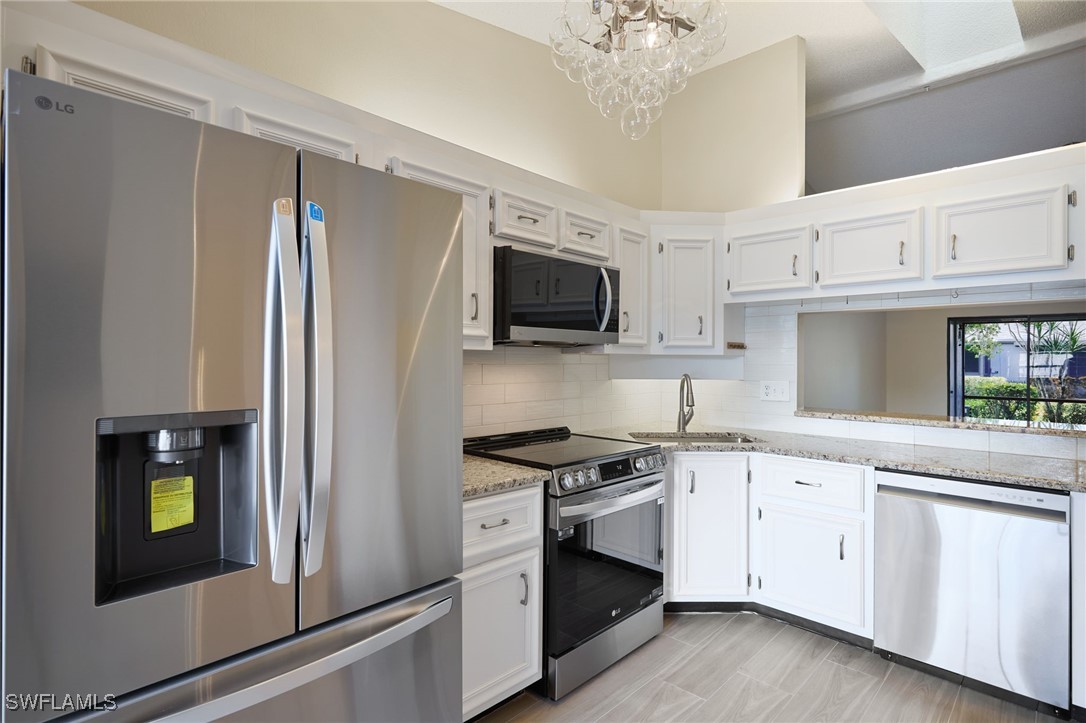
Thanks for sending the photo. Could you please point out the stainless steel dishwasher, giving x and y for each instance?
(975, 579)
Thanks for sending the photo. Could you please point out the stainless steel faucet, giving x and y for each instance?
(686, 406)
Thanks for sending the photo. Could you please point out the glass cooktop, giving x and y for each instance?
(551, 448)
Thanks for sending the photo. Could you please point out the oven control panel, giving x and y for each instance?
(577, 478)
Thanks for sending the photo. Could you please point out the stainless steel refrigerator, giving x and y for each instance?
(231, 424)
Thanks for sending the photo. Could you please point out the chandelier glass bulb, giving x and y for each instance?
(632, 54)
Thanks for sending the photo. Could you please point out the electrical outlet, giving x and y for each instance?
(773, 391)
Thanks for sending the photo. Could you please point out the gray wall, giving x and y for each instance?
(842, 360)
(1021, 109)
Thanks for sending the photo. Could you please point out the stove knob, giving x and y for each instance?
(593, 476)
(660, 461)
(566, 481)
(639, 464)
(579, 477)
(651, 461)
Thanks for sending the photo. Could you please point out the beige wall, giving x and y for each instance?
(843, 364)
(428, 68)
(735, 137)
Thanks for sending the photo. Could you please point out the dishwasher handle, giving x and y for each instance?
(973, 503)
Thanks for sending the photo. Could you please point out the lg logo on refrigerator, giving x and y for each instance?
(45, 104)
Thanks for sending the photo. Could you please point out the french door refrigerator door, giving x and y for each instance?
(137, 252)
(381, 505)
(399, 661)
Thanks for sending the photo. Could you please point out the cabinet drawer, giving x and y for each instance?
(525, 219)
(820, 483)
(504, 523)
(585, 235)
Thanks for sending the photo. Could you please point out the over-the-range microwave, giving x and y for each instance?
(545, 300)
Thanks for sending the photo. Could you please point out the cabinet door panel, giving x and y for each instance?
(709, 530)
(502, 650)
(475, 307)
(772, 260)
(1018, 232)
(812, 564)
(688, 292)
(888, 247)
(634, 294)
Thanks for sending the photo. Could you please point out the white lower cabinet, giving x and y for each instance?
(812, 564)
(708, 551)
(503, 650)
(502, 598)
(812, 541)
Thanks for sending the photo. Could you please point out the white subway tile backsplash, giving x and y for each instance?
(596, 420)
(573, 407)
(473, 373)
(1033, 444)
(971, 439)
(473, 416)
(1082, 449)
(483, 430)
(503, 413)
(475, 394)
(496, 356)
(543, 410)
(578, 372)
(561, 390)
(522, 373)
(525, 392)
(876, 432)
(532, 355)
(610, 402)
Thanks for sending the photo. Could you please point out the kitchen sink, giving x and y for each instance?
(708, 437)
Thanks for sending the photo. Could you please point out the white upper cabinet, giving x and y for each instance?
(688, 290)
(301, 134)
(520, 218)
(770, 260)
(584, 235)
(476, 303)
(633, 300)
(1015, 232)
(886, 247)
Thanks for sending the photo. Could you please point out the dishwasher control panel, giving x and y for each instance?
(947, 491)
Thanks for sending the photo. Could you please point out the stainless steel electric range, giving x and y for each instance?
(603, 578)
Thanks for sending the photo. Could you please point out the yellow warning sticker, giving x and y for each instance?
(172, 503)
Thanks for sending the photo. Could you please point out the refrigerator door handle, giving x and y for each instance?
(286, 682)
(284, 398)
(317, 293)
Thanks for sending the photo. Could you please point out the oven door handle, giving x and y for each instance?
(614, 503)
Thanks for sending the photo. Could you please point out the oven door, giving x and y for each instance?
(604, 559)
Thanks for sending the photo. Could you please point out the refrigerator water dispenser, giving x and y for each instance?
(177, 500)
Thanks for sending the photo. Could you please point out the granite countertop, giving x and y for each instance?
(1016, 469)
(484, 476)
(1052, 429)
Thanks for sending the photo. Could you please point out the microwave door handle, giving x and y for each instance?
(610, 296)
(318, 301)
(284, 401)
(596, 303)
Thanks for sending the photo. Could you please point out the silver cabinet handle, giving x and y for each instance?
(531, 219)
(475, 299)
(795, 258)
(503, 523)
(692, 480)
(660, 337)
(701, 325)
(317, 308)
(284, 438)
(524, 577)
(808, 484)
(953, 247)
(900, 253)
(626, 316)
(841, 543)
(557, 283)
(537, 283)
(585, 234)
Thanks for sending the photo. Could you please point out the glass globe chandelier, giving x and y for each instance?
(632, 54)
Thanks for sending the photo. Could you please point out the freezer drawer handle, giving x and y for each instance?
(317, 295)
(283, 351)
(505, 521)
(268, 689)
